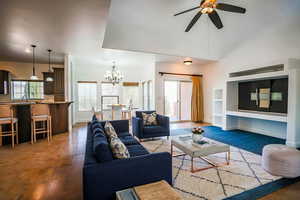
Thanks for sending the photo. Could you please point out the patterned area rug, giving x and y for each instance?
(243, 173)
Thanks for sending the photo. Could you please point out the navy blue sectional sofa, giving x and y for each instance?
(103, 175)
(143, 132)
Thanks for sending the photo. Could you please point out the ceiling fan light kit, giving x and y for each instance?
(209, 7)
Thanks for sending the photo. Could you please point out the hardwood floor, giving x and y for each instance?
(45, 171)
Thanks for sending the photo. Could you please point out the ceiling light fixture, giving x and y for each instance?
(33, 77)
(27, 50)
(49, 78)
(188, 62)
(114, 76)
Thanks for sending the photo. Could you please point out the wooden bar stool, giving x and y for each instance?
(40, 113)
(7, 118)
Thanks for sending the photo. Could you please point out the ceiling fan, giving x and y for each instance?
(209, 7)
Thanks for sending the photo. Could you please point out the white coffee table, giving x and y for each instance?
(194, 150)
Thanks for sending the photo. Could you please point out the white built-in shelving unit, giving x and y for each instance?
(285, 126)
(218, 107)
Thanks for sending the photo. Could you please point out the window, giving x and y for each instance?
(147, 95)
(87, 96)
(110, 95)
(131, 94)
(27, 89)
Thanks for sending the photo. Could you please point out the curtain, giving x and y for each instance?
(197, 100)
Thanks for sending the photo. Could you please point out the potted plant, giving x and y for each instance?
(197, 134)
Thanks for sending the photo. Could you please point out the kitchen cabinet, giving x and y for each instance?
(59, 84)
(4, 82)
(48, 86)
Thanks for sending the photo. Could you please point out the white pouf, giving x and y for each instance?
(281, 160)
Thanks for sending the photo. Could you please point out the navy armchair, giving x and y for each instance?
(143, 132)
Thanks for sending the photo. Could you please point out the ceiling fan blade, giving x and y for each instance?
(187, 11)
(194, 20)
(230, 8)
(215, 18)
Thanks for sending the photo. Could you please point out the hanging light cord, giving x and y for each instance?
(33, 59)
(49, 50)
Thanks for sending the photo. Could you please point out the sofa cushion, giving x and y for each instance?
(149, 119)
(118, 148)
(124, 134)
(137, 150)
(154, 129)
(97, 125)
(129, 140)
(99, 130)
(110, 131)
(101, 148)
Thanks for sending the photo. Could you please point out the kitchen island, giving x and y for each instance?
(59, 114)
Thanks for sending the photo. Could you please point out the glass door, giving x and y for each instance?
(171, 100)
(178, 97)
(186, 88)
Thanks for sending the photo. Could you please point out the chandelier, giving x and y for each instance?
(114, 76)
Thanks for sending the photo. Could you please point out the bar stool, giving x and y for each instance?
(40, 113)
(6, 118)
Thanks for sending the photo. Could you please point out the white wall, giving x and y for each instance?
(141, 69)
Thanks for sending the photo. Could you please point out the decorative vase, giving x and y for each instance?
(197, 137)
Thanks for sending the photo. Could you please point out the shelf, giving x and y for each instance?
(259, 115)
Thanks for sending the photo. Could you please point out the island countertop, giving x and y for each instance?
(35, 102)
(59, 118)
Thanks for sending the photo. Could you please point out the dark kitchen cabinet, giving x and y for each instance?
(4, 85)
(48, 86)
(59, 84)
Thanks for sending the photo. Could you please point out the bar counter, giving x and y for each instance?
(59, 115)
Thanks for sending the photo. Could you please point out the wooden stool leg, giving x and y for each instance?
(0, 135)
(17, 132)
(31, 131)
(34, 131)
(48, 130)
(12, 135)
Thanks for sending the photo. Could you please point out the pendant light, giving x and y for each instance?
(49, 79)
(33, 77)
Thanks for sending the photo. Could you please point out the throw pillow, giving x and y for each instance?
(118, 148)
(149, 119)
(110, 131)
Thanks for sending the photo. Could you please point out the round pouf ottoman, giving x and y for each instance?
(281, 160)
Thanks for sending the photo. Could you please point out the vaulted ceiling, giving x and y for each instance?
(150, 26)
(82, 28)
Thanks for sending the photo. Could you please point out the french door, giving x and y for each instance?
(177, 100)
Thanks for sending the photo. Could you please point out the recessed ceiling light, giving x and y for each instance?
(27, 50)
(188, 62)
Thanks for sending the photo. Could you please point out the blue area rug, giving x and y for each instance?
(248, 141)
